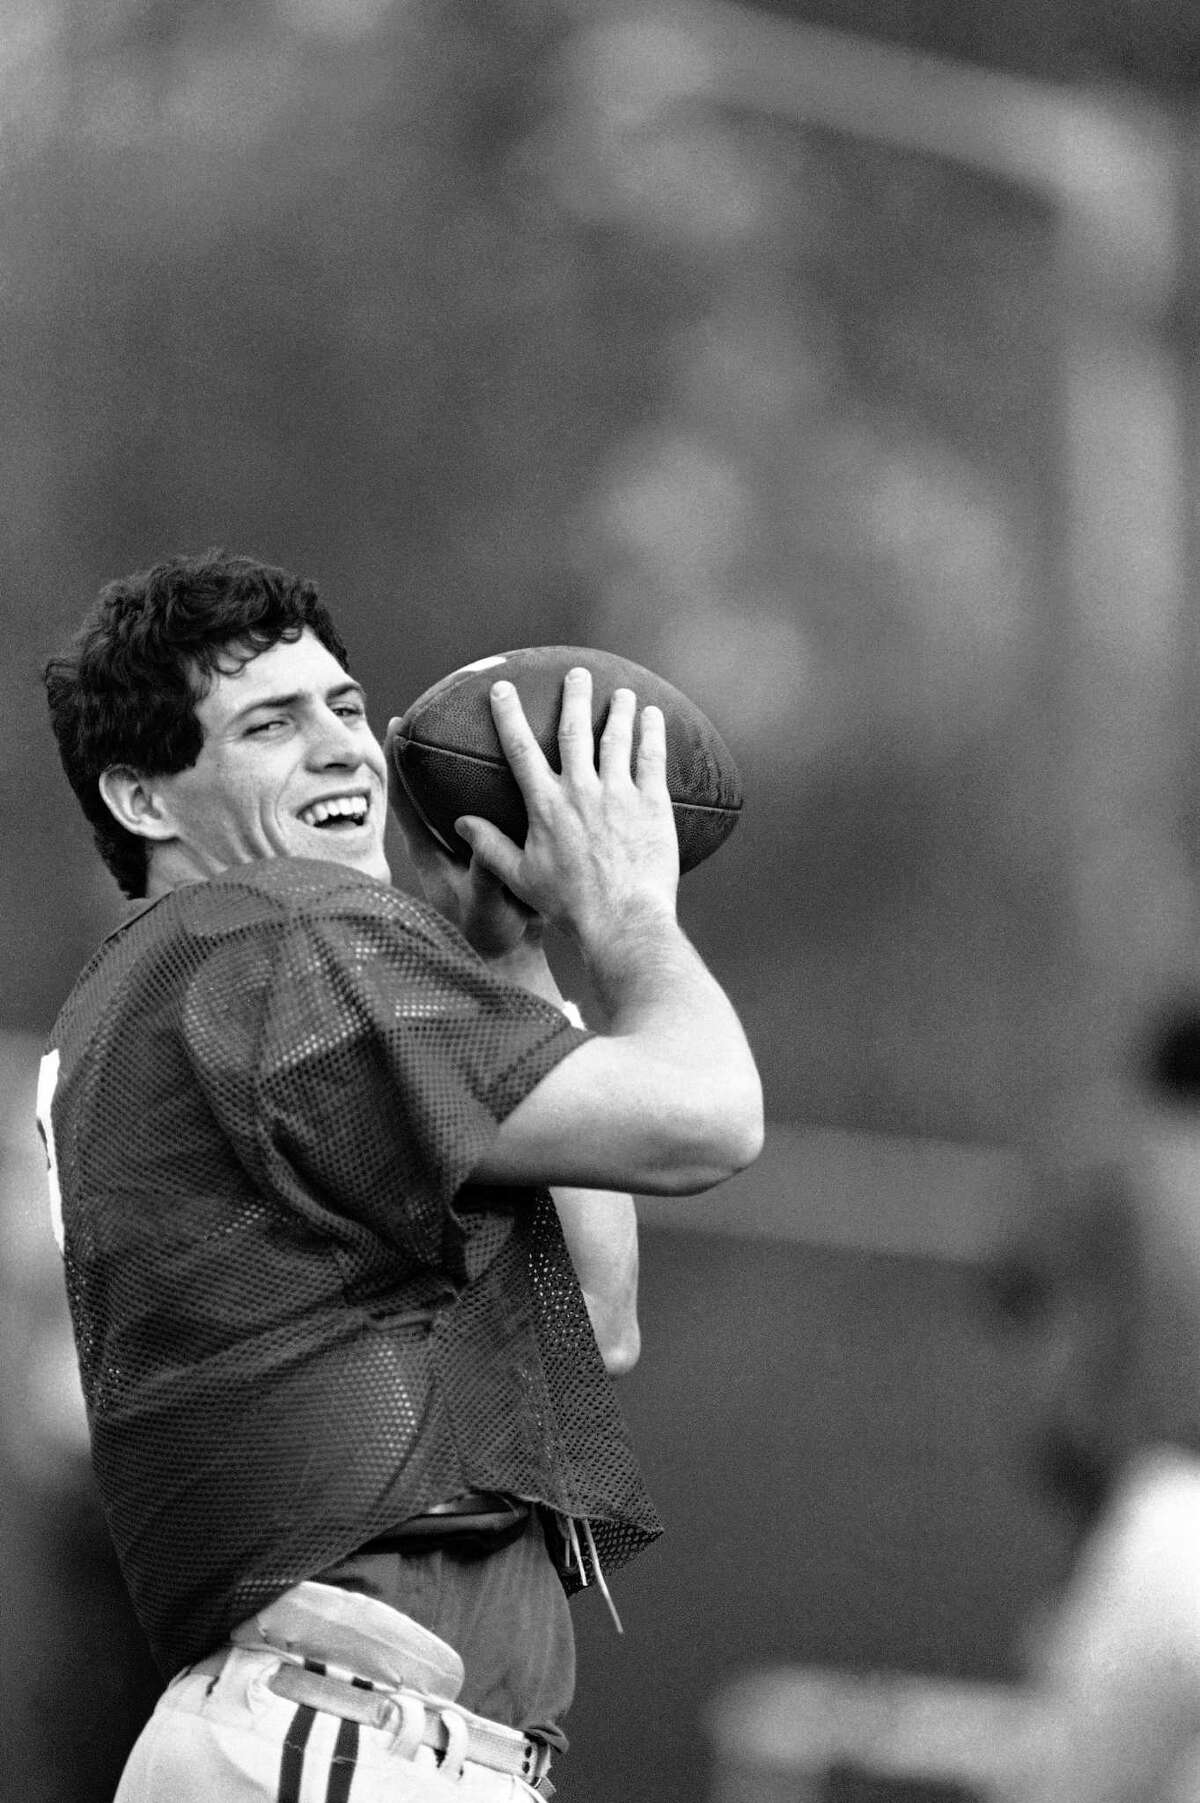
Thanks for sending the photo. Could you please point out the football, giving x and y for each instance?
(445, 750)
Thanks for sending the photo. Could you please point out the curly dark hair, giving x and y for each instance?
(125, 691)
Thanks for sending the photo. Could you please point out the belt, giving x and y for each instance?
(449, 1731)
(481, 1520)
(455, 1734)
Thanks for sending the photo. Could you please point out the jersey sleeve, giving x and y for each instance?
(378, 1055)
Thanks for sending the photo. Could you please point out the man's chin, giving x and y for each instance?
(367, 859)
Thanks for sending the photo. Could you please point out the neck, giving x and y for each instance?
(171, 866)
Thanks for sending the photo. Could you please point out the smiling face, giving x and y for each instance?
(289, 769)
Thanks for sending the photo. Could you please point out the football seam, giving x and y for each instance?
(489, 763)
(452, 751)
(471, 757)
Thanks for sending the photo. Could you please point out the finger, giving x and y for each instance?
(492, 850)
(496, 918)
(652, 750)
(526, 759)
(616, 741)
(491, 888)
(576, 734)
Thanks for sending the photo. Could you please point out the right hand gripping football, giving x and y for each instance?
(601, 847)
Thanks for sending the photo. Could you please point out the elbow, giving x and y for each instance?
(618, 1335)
(747, 1133)
(621, 1353)
(720, 1141)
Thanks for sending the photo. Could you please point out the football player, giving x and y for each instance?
(342, 1192)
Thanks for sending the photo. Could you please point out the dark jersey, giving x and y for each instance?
(298, 1322)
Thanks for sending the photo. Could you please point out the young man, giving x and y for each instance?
(343, 1350)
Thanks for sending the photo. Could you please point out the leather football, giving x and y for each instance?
(445, 750)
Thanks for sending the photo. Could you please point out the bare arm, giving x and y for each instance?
(600, 1227)
(601, 1234)
(666, 1100)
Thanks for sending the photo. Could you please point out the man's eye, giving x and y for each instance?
(350, 710)
(263, 726)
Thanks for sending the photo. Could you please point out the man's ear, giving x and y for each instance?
(135, 803)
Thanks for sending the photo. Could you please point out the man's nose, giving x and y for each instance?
(332, 741)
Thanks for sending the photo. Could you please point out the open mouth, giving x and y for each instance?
(340, 813)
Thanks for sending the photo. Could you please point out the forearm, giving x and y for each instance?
(664, 1100)
(655, 992)
(600, 1229)
(660, 999)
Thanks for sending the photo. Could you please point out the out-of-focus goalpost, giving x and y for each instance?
(1118, 635)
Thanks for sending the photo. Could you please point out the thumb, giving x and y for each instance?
(490, 848)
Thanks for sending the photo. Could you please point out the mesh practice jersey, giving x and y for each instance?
(297, 1320)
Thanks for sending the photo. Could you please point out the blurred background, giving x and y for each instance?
(835, 358)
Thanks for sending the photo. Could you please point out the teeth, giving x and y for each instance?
(340, 807)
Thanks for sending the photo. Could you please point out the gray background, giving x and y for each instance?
(532, 323)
